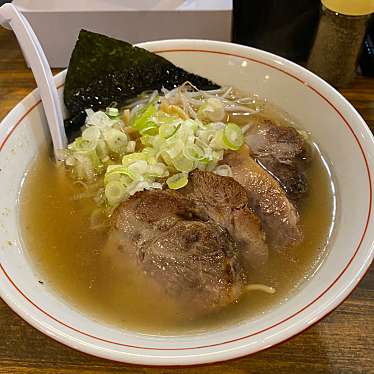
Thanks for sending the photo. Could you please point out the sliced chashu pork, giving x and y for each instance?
(282, 151)
(278, 215)
(225, 202)
(195, 244)
(193, 261)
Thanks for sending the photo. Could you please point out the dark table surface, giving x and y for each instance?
(341, 343)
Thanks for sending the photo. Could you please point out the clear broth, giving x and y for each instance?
(71, 258)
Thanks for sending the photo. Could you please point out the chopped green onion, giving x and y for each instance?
(83, 168)
(102, 150)
(131, 145)
(115, 191)
(183, 164)
(116, 140)
(191, 124)
(166, 130)
(212, 110)
(112, 112)
(158, 170)
(150, 153)
(217, 155)
(132, 157)
(147, 140)
(218, 142)
(122, 178)
(91, 133)
(187, 131)
(163, 118)
(223, 170)
(194, 152)
(177, 181)
(167, 159)
(152, 129)
(143, 121)
(143, 185)
(173, 148)
(115, 171)
(233, 136)
(138, 168)
(81, 145)
(99, 119)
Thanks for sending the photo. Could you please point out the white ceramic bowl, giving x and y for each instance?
(343, 137)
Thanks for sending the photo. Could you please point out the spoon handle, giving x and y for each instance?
(10, 16)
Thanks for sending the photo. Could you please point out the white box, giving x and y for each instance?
(58, 22)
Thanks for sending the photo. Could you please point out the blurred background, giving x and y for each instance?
(333, 38)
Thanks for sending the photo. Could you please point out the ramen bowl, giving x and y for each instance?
(341, 134)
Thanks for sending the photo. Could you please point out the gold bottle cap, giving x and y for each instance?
(350, 7)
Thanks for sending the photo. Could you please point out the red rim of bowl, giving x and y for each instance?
(264, 329)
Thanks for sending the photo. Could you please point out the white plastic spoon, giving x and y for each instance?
(11, 18)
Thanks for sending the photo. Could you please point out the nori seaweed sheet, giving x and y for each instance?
(103, 70)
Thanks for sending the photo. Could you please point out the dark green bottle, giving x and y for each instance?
(283, 27)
